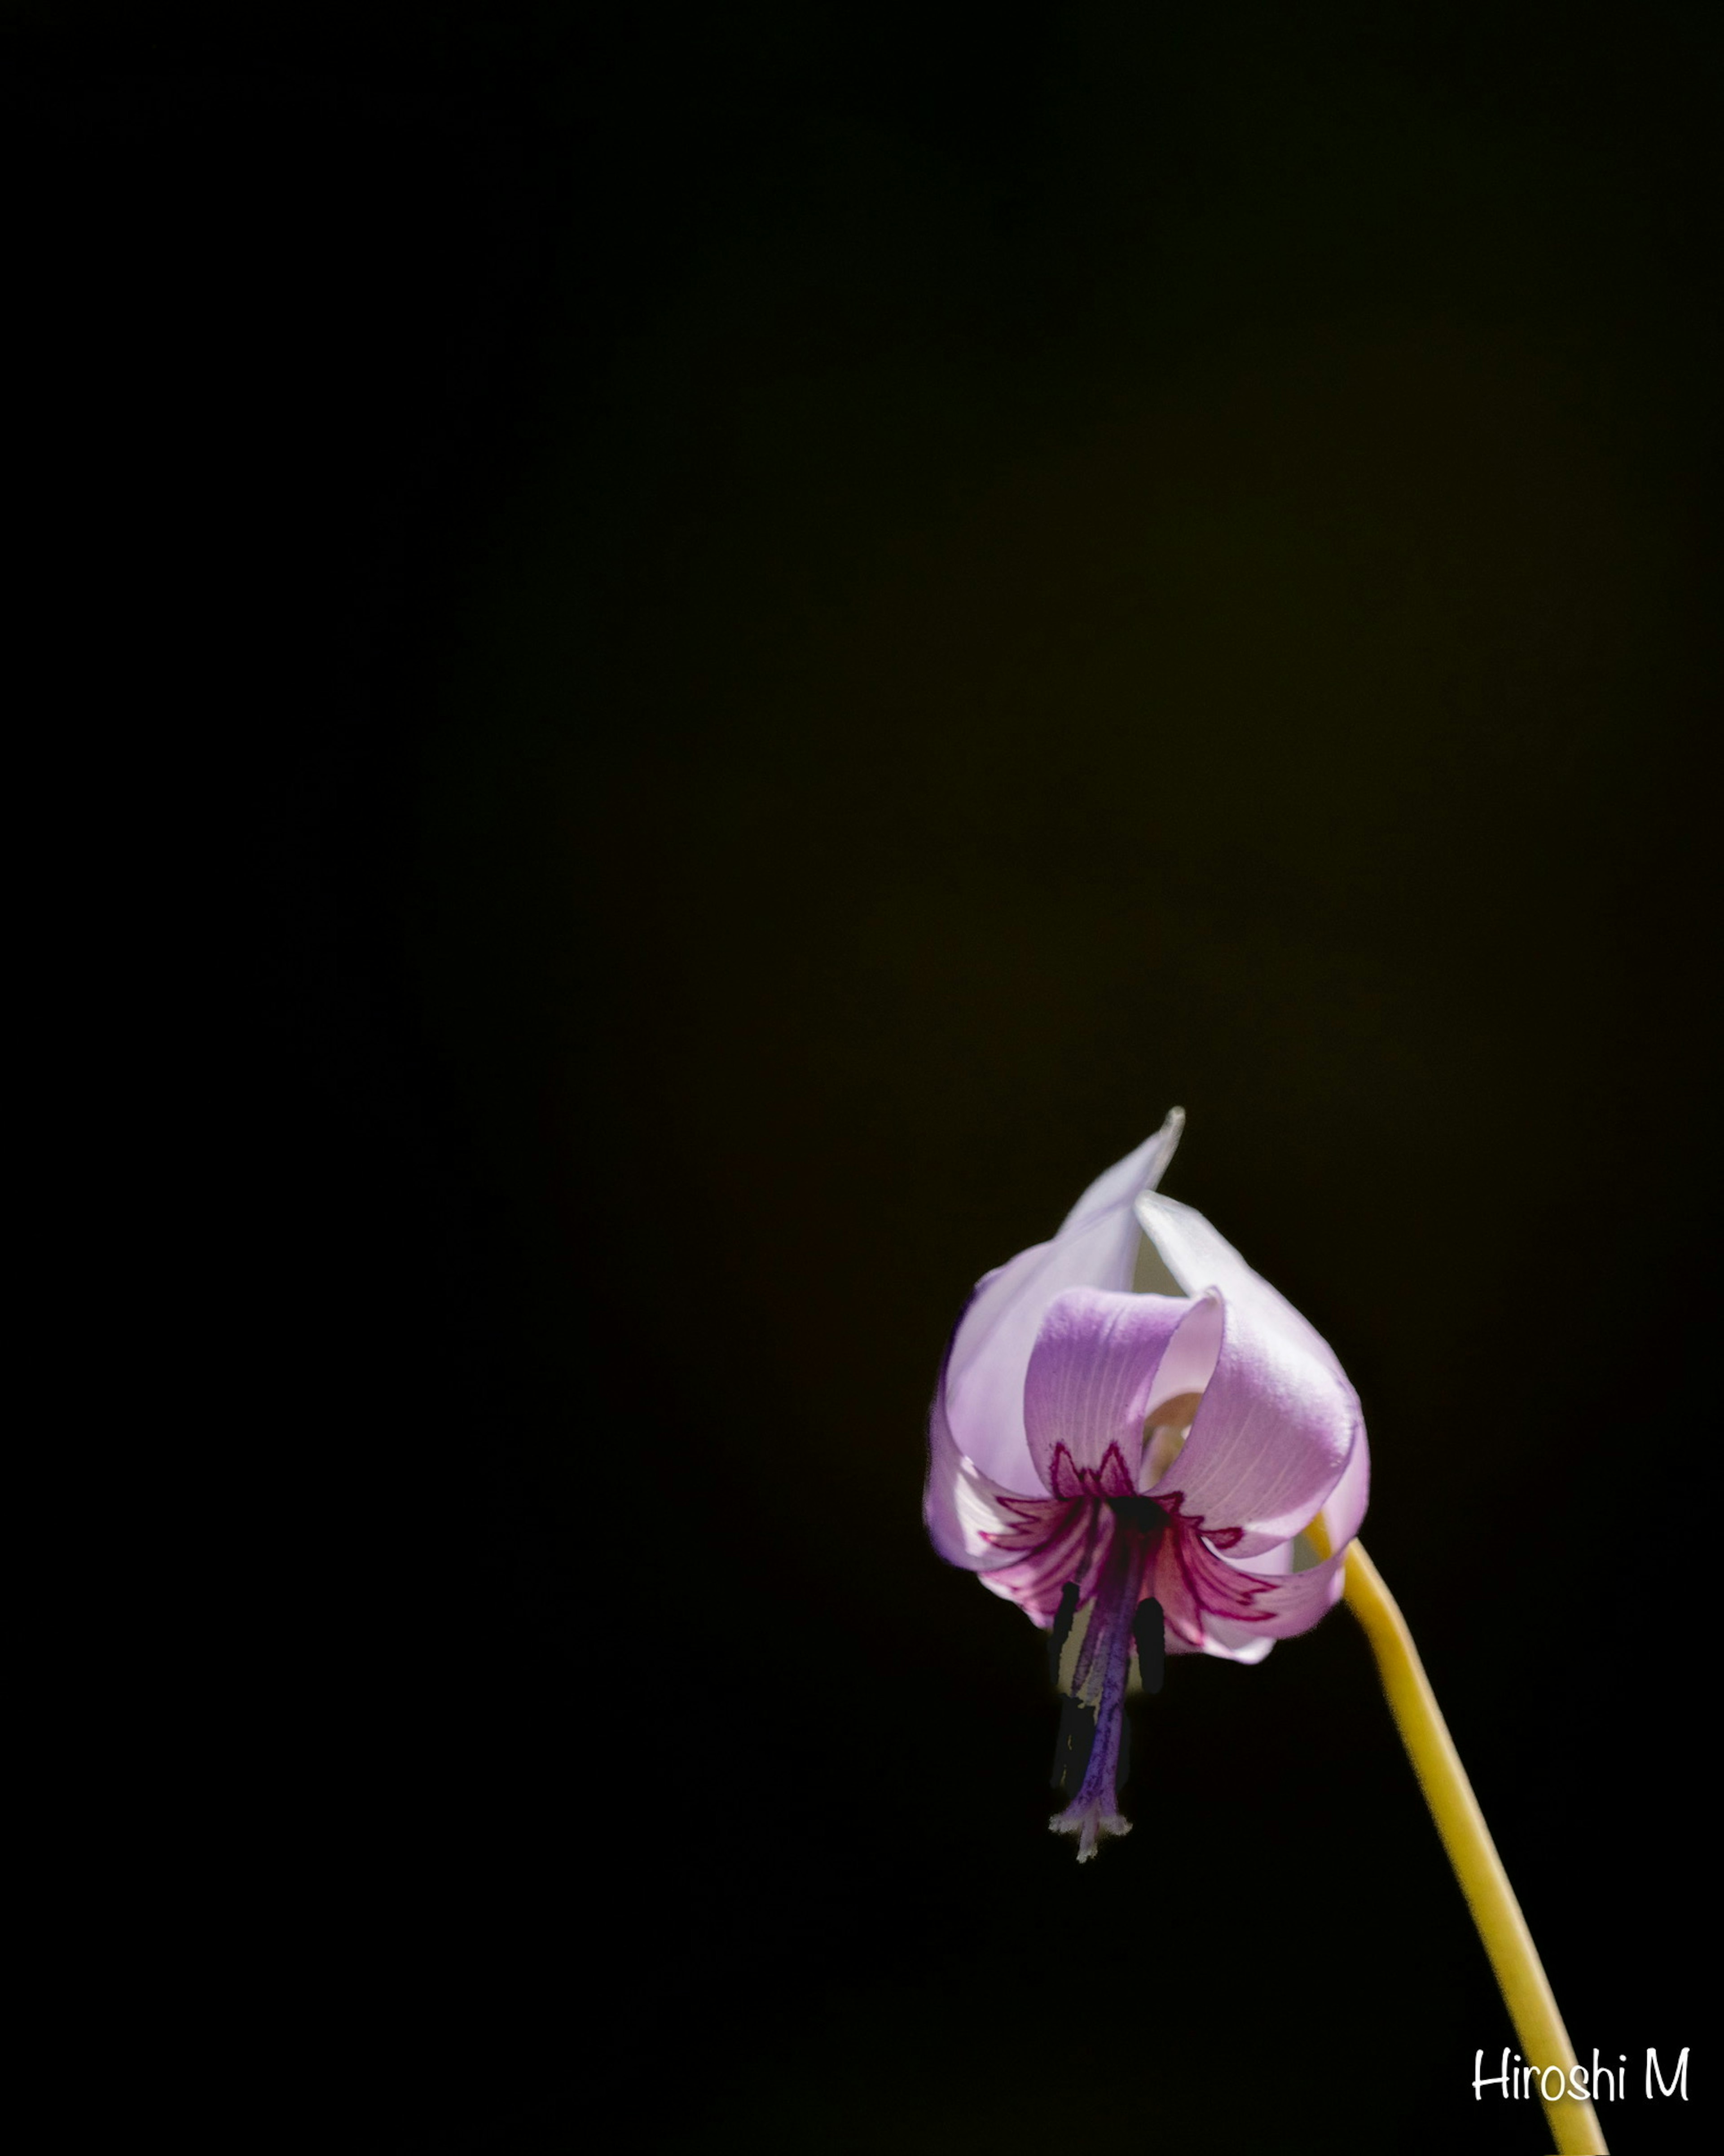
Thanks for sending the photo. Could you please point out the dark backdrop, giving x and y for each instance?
(678, 671)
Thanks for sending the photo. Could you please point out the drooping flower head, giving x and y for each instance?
(1131, 1432)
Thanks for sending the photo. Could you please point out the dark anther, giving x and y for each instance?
(1149, 1635)
(1064, 1618)
(1142, 1513)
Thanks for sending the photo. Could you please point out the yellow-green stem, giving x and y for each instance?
(1514, 1959)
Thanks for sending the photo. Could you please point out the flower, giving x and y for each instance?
(1132, 1464)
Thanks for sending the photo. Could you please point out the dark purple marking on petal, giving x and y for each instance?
(1181, 1603)
(1038, 1520)
(1109, 1477)
(1091, 1380)
(1057, 1542)
(1194, 1582)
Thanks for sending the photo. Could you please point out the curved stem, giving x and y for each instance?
(1514, 1959)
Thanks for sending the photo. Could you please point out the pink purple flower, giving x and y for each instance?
(1131, 1429)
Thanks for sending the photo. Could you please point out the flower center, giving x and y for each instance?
(1141, 1516)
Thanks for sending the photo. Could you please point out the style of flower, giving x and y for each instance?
(1131, 1432)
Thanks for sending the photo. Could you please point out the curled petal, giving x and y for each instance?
(1230, 1642)
(1024, 1549)
(1189, 1362)
(1270, 1441)
(963, 1507)
(1128, 1179)
(1292, 1605)
(1216, 1607)
(1092, 1375)
(1344, 1507)
(1070, 1541)
(1282, 1607)
(1096, 1246)
(1198, 1258)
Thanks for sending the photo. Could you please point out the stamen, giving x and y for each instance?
(1063, 1620)
(1092, 1747)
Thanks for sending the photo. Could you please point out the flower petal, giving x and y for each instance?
(1214, 1606)
(1097, 1247)
(961, 1506)
(1344, 1507)
(1284, 1606)
(1232, 1642)
(1129, 1178)
(1198, 1258)
(1071, 1543)
(1024, 1549)
(1092, 1374)
(1271, 1438)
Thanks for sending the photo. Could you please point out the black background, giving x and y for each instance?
(677, 670)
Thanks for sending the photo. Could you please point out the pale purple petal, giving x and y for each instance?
(1215, 1606)
(1092, 1375)
(1198, 1258)
(1278, 1615)
(1072, 1543)
(1191, 1353)
(1173, 1586)
(1097, 1247)
(1129, 1178)
(1231, 1642)
(963, 1507)
(946, 1467)
(1270, 1439)
(1276, 1563)
(1282, 1608)
(1344, 1507)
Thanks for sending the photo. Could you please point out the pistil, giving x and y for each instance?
(1092, 1722)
